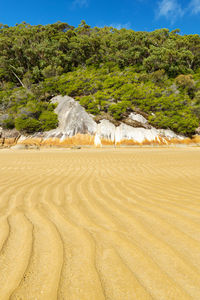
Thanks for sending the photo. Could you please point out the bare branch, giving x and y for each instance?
(18, 79)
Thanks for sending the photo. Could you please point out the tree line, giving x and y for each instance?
(109, 71)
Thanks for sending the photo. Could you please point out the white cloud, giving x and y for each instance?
(80, 3)
(170, 9)
(195, 6)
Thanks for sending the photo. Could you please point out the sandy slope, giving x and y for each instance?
(100, 224)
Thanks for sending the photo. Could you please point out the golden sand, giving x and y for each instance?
(116, 224)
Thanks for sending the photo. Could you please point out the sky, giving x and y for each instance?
(139, 15)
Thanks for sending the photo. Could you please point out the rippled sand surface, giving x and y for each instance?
(116, 224)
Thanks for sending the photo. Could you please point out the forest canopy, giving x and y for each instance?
(108, 71)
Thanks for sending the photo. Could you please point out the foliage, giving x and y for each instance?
(8, 123)
(185, 81)
(29, 124)
(48, 120)
(107, 70)
(26, 113)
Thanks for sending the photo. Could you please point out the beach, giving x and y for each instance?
(94, 224)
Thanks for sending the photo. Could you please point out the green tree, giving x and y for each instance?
(49, 120)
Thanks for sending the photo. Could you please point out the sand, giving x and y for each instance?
(116, 224)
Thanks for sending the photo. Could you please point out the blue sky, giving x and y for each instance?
(138, 15)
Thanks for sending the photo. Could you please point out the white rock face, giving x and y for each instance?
(126, 132)
(97, 140)
(72, 118)
(106, 130)
(22, 138)
(169, 134)
(138, 118)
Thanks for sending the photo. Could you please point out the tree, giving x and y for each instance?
(49, 120)
(28, 125)
(105, 69)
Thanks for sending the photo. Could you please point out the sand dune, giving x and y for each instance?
(116, 224)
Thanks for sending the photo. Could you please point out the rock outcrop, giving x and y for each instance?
(126, 134)
(77, 127)
(198, 131)
(73, 119)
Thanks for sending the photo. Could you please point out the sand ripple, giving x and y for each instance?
(116, 224)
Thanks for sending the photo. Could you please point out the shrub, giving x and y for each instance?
(185, 81)
(8, 123)
(117, 110)
(28, 125)
(90, 104)
(49, 120)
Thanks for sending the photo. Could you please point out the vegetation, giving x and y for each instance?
(107, 70)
